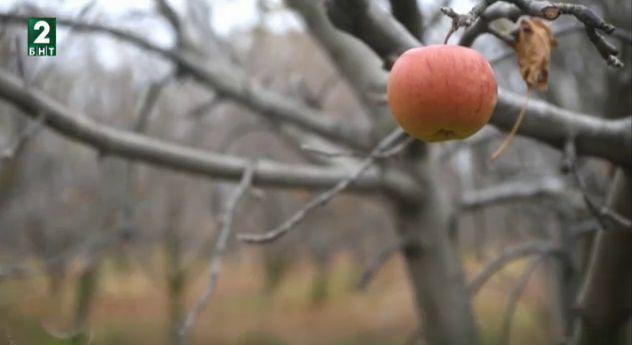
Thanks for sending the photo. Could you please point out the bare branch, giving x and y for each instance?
(514, 298)
(22, 138)
(512, 191)
(322, 199)
(510, 255)
(601, 308)
(149, 102)
(365, 20)
(218, 253)
(171, 16)
(546, 10)
(153, 151)
(19, 59)
(230, 82)
(329, 153)
(458, 20)
(604, 215)
(481, 26)
(609, 139)
(542, 9)
(359, 66)
(146, 108)
(378, 262)
(408, 13)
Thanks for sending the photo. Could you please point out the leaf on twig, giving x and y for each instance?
(534, 45)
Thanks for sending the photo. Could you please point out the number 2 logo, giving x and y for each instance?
(42, 38)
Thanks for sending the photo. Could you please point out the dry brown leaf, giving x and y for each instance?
(534, 45)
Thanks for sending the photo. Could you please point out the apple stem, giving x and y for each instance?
(503, 147)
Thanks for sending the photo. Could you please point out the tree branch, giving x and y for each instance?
(125, 144)
(511, 191)
(378, 262)
(544, 9)
(408, 13)
(230, 82)
(320, 200)
(609, 279)
(357, 63)
(32, 127)
(543, 248)
(499, 10)
(215, 264)
(514, 298)
(605, 216)
(366, 21)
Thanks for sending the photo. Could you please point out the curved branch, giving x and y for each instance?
(408, 13)
(356, 62)
(609, 139)
(602, 301)
(125, 144)
(500, 10)
(543, 248)
(514, 299)
(230, 82)
(547, 10)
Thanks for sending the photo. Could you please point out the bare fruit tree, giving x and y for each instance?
(362, 40)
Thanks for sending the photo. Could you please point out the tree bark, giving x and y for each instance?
(435, 271)
(608, 284)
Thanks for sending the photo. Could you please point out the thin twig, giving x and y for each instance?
(604, 215)
(149, 102)
(390, 152)
(320, 200)
(378, 262)
(218, 253)
(31, 129)
(508, 256)
(550, 11)
(336, 154)
(458, 21)
(19, 60)
(145, 110)
(328, 153)
(514, 298)
(619, 33)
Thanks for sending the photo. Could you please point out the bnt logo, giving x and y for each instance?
(42, 37)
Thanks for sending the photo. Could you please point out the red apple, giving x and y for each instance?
(442, 92)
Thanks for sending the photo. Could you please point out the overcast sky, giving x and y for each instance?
(227, 15)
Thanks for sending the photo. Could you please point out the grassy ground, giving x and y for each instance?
(131, 307)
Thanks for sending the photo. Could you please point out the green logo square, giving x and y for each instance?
(42, 37)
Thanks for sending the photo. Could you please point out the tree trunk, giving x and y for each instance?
(435, 271)
(609, 281)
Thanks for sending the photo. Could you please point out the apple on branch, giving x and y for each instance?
(442, 92)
